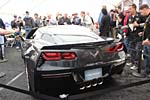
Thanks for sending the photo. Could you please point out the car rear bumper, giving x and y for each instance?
(118, 67)
(65, 80)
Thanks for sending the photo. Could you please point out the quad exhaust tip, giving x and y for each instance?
(93, 85)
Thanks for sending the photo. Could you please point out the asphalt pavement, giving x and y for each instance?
(15, 76)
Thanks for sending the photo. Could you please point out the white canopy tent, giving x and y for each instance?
(10, 7)
(43, 7)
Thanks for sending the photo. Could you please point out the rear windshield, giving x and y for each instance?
(75, 38)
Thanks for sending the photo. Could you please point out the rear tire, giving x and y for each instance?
(29, 87)
(27, 77)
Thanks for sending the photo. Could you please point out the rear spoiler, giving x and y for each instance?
(31, 33)
(69, 46)
(29, 36)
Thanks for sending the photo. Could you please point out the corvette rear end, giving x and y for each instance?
(63, 69)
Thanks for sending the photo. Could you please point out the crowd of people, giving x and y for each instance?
(135, 38)
(136, 35)
(29, 22)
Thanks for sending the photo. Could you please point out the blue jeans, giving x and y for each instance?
(147, 58)
(27, 30)
(17, 42)
(134, 51)
(126, 43)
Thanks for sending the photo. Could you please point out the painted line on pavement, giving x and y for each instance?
(15, 78)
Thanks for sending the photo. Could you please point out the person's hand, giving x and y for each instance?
(9, 31)
(16, 30)
(141, 33)
(135, 24)
(146, 42)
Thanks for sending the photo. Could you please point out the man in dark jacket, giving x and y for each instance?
(76, 20)
(134, 38)
(2, 25)
(14, 22)
(2, 40)
(29, 23)
(105, 24)
(145, 11)
(64, 20)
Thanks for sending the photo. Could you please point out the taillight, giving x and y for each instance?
(55, 56)
(116, 48)
(69, 56)
(51, 55)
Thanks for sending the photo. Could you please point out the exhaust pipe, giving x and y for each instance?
(100, 83)
(94, 85)
(88, 86)
(82, 88)
(63, 96)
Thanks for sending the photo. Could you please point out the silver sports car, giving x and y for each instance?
(67, 58)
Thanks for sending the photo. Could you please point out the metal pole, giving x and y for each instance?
(2, 59)
(1, 53)
(140, 60)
